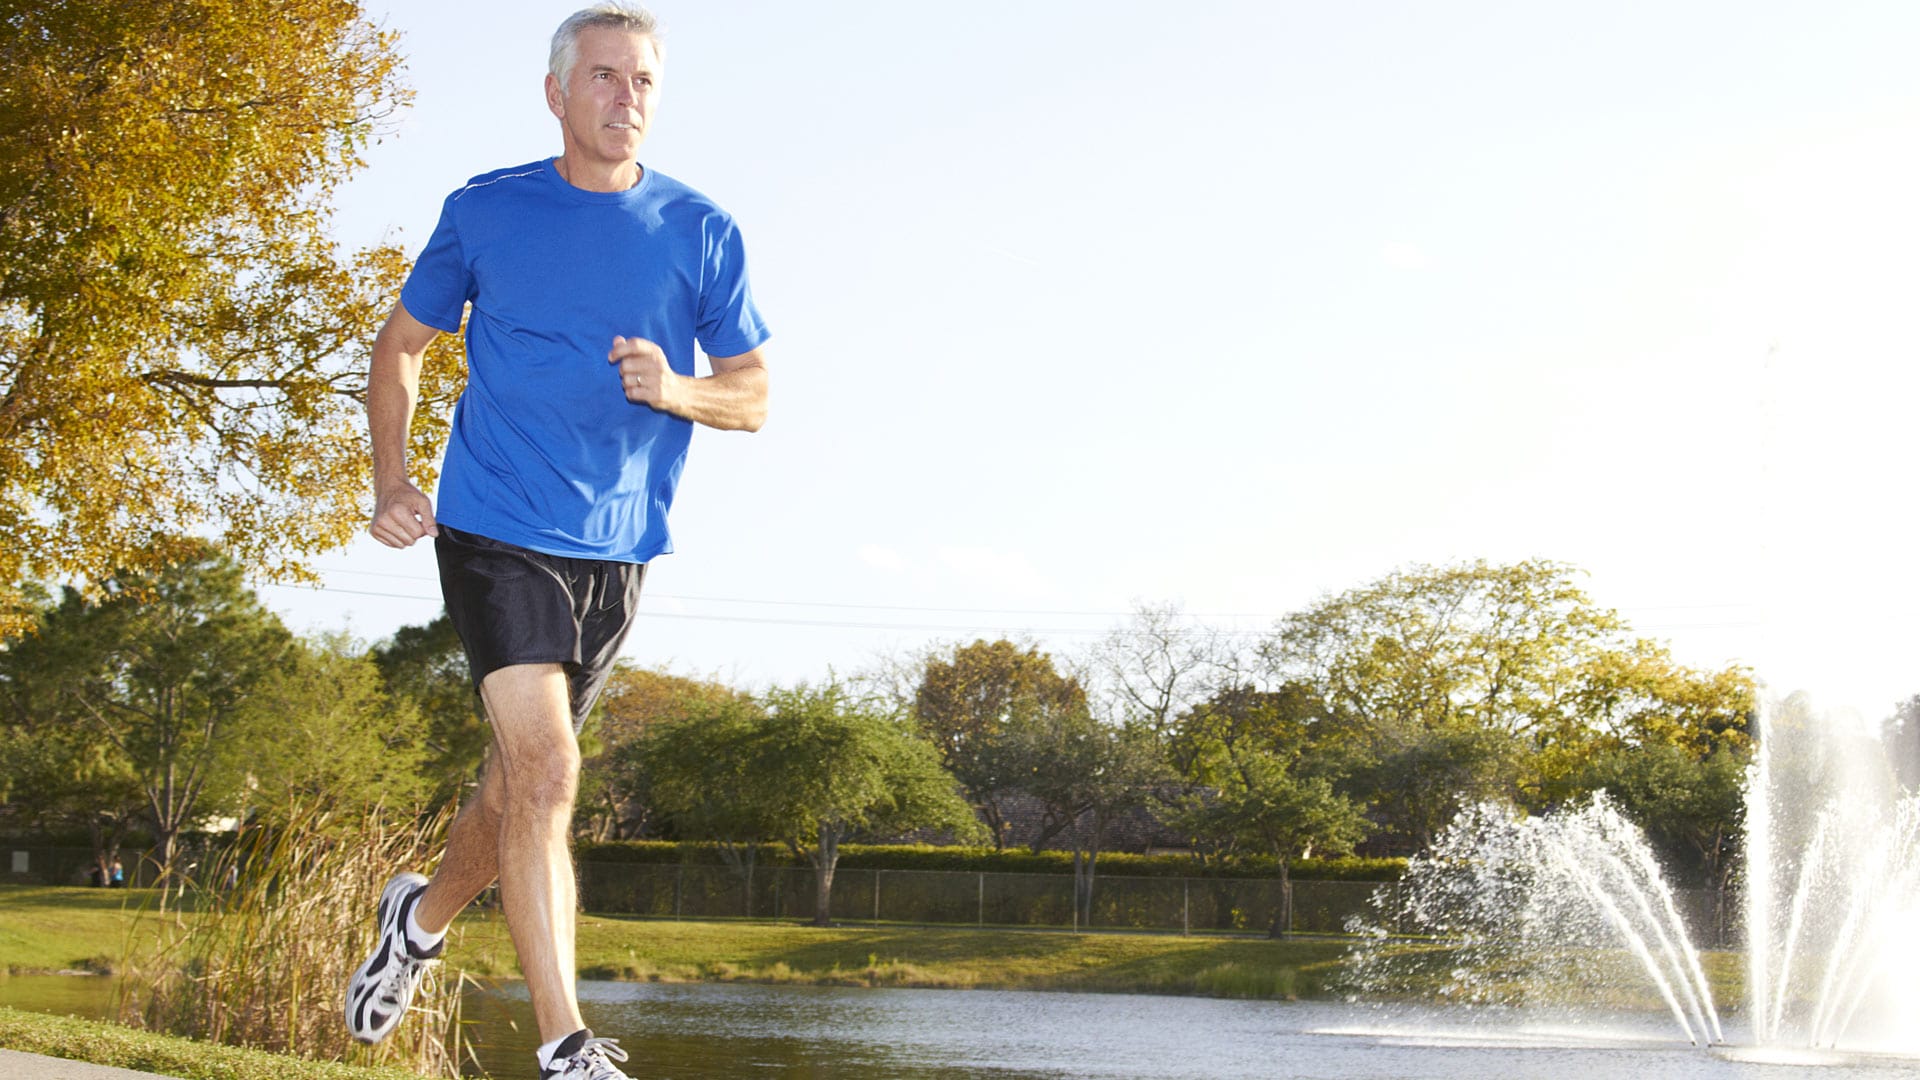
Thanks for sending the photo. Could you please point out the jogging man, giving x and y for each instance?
(591, 279)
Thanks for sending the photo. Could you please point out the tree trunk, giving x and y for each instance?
(1084, 860)
(1282, 926)
(106, 847)
(826, 857)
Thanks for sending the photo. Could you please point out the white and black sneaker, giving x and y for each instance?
(378, 993)
(580, 1056)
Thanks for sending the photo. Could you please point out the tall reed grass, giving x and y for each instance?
(282, 917)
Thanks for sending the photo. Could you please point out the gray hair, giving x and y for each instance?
(611, 15)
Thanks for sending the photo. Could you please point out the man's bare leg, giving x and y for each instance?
(472, 859)
(536, 767)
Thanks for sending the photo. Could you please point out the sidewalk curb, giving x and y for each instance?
(23, 1066)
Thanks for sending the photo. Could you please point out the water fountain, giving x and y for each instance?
(1569, 912)
(1832, 873)
(1554, 914)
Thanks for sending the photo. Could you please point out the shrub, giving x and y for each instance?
(267, 961)
(987, 860)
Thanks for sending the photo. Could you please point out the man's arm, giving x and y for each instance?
(733, 398)
(402, 513)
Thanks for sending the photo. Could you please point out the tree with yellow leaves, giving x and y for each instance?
(182, 344)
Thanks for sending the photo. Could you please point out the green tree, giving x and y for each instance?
(182, 344)
(158, 671)
(323, 731)
(1443, 682)
(825, 770)
(702, 767)
(1086, 775)
(1443, 685)
(1257, 784)
(964, 703)
(1688, 805)
(54, 779)
(56, 772)
(1669, 743)
(617, 798)
(425, 668)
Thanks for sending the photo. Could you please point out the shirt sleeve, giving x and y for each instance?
(440, 283)
(729, 323)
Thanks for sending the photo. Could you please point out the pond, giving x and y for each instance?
(737, 1030)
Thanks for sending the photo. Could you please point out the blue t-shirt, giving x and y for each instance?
(546, 452)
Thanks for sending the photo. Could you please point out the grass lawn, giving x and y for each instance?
(54, 929)
(111, 1044)
(50, 928)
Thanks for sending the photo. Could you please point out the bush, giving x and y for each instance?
(296, 920)
(987, 860)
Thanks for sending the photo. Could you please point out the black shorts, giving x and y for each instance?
(514, 606)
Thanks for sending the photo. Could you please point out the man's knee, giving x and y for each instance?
(536, 758)
(542, 781)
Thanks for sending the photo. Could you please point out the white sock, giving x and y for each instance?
(420, 940)
(545, 1053)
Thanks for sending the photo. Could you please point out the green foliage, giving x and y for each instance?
(965, 702)
(825, 767)
(807, 767)
(425, 668)
(955, 858)
(168, 1055)
(58, 775)
(323, 729)
(155, 675)
(1084, 773)
(617, 798)
(1254, 784)
(1436, 686)
(1688, 806)
(700, 773)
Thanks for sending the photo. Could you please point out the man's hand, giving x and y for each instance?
(645, 376)
(402, 514)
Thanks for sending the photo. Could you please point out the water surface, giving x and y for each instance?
(722, 1030)
(684, 1032)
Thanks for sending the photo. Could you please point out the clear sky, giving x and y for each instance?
(1234, 304)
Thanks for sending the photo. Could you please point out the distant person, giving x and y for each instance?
(117, 876)
(591, 278)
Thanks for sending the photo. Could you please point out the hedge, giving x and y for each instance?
(1013, 861)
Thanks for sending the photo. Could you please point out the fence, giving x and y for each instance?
(1175, 905)
(974, 898)
(961, 898)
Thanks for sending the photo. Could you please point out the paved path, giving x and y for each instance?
(15, 1065)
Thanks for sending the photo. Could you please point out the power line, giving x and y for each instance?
(824, 624)
(1107, 614)
(844, 624)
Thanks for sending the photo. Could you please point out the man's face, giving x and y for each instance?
(607, 105)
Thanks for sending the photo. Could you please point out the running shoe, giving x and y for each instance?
(582, 1057)
(379, 993)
